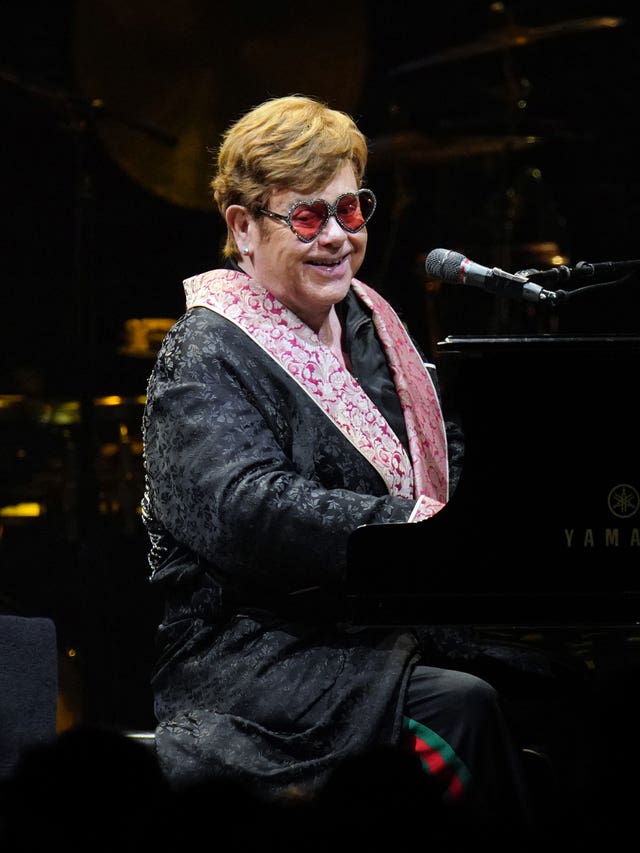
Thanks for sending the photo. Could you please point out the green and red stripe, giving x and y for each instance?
(437, 758)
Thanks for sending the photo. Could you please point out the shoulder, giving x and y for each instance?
(199, 344)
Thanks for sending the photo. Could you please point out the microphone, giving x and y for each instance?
(453, 267)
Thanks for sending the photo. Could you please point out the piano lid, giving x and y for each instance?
(545, 522)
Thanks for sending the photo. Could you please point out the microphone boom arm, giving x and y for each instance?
(581, 271)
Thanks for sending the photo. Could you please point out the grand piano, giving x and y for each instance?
(529, 576)
(543, 528)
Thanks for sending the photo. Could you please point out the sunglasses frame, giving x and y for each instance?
(332, 210)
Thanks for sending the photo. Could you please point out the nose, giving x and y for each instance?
(332, 231)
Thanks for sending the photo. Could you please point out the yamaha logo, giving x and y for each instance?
(623, 501)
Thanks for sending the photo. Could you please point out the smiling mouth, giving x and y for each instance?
(328, 263)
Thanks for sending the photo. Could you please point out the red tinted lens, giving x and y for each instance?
(308, 219)
(355, 210)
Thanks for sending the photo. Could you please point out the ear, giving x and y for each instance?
(239, 223)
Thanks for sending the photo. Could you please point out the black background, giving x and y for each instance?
(87, 245)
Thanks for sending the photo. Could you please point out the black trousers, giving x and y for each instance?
(454, 722)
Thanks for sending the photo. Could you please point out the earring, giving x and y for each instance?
(245, 251)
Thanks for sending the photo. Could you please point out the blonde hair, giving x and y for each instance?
(293, 142)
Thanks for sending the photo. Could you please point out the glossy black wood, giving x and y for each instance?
(544, 525)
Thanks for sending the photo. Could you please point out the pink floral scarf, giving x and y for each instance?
(299, 350)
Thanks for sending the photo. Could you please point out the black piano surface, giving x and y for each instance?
(544, 525)
(529, 575)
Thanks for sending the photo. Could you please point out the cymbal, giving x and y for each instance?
(508, 37)
(415, 148)
(189, 69)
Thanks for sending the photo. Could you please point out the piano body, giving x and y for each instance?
(544, 526)
(529, 575)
